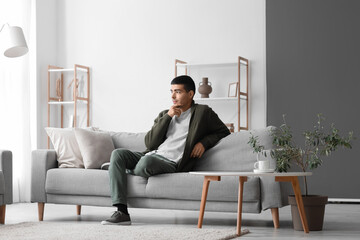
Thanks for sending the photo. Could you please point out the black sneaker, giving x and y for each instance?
(118, 218)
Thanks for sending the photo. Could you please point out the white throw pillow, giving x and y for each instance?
(66, 147)
(95, 147)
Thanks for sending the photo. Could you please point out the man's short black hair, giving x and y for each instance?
(185, 80)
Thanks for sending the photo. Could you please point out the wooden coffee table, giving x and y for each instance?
(292, 177)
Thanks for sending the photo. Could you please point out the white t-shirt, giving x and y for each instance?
(173, 147)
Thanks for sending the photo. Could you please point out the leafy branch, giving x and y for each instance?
(319, 142)
(254, 143)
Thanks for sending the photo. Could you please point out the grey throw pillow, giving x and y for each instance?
(95, 147)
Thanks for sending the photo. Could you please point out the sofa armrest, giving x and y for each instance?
(6, 168)
(41, 161)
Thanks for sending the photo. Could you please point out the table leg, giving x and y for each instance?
(240, 200)
(275, 216)
(296, 187)
(205, 189)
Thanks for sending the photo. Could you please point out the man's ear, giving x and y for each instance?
(192, 93)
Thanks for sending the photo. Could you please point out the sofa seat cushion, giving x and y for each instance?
(88, 182)
(186, 186)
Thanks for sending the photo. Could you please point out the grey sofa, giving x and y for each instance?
(6, 196)
(182, 190)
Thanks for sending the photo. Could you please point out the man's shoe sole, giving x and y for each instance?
(119, 223)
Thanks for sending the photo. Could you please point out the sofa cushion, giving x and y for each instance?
(88, 182)
(66, 147)
(131, 141)
(186, 186)
(95, 147)
(233, 153)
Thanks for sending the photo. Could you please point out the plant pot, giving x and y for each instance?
(314, 206)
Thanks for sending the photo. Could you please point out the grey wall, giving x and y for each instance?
(313, 66)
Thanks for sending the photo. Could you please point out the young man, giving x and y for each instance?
(178, 137)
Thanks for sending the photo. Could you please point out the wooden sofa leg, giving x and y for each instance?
(275, 217)
(2, 214)
(41, 207)
(78, 209)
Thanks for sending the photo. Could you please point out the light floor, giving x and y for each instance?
(342, 221)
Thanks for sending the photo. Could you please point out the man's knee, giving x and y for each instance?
(145, 166)
(118, 155)
(148, 161)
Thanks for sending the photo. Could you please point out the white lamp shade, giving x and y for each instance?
(15, 44)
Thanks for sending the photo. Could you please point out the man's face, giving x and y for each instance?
(180, 96)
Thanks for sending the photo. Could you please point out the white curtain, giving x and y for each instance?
(15, 101)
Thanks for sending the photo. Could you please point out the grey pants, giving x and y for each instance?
(136, 163)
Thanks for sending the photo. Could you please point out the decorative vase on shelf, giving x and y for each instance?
(205, 88)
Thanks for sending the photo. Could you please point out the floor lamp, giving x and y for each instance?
(13, 40)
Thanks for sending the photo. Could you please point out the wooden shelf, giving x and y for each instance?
(199, 65)
(241, 95)
(59, 98)
(68, 70)
(220, 99)
(67, 102)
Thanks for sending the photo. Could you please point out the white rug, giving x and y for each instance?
(81, 230)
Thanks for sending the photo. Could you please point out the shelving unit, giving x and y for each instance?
(241, 95)
(59, 100)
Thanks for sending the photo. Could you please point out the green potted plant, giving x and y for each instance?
(319, 142)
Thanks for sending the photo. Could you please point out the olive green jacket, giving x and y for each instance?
(205, 127)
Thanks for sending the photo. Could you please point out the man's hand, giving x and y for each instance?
(198, 151)
(174, 110)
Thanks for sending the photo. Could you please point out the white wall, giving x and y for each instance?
(131, 46)
(46, 53)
